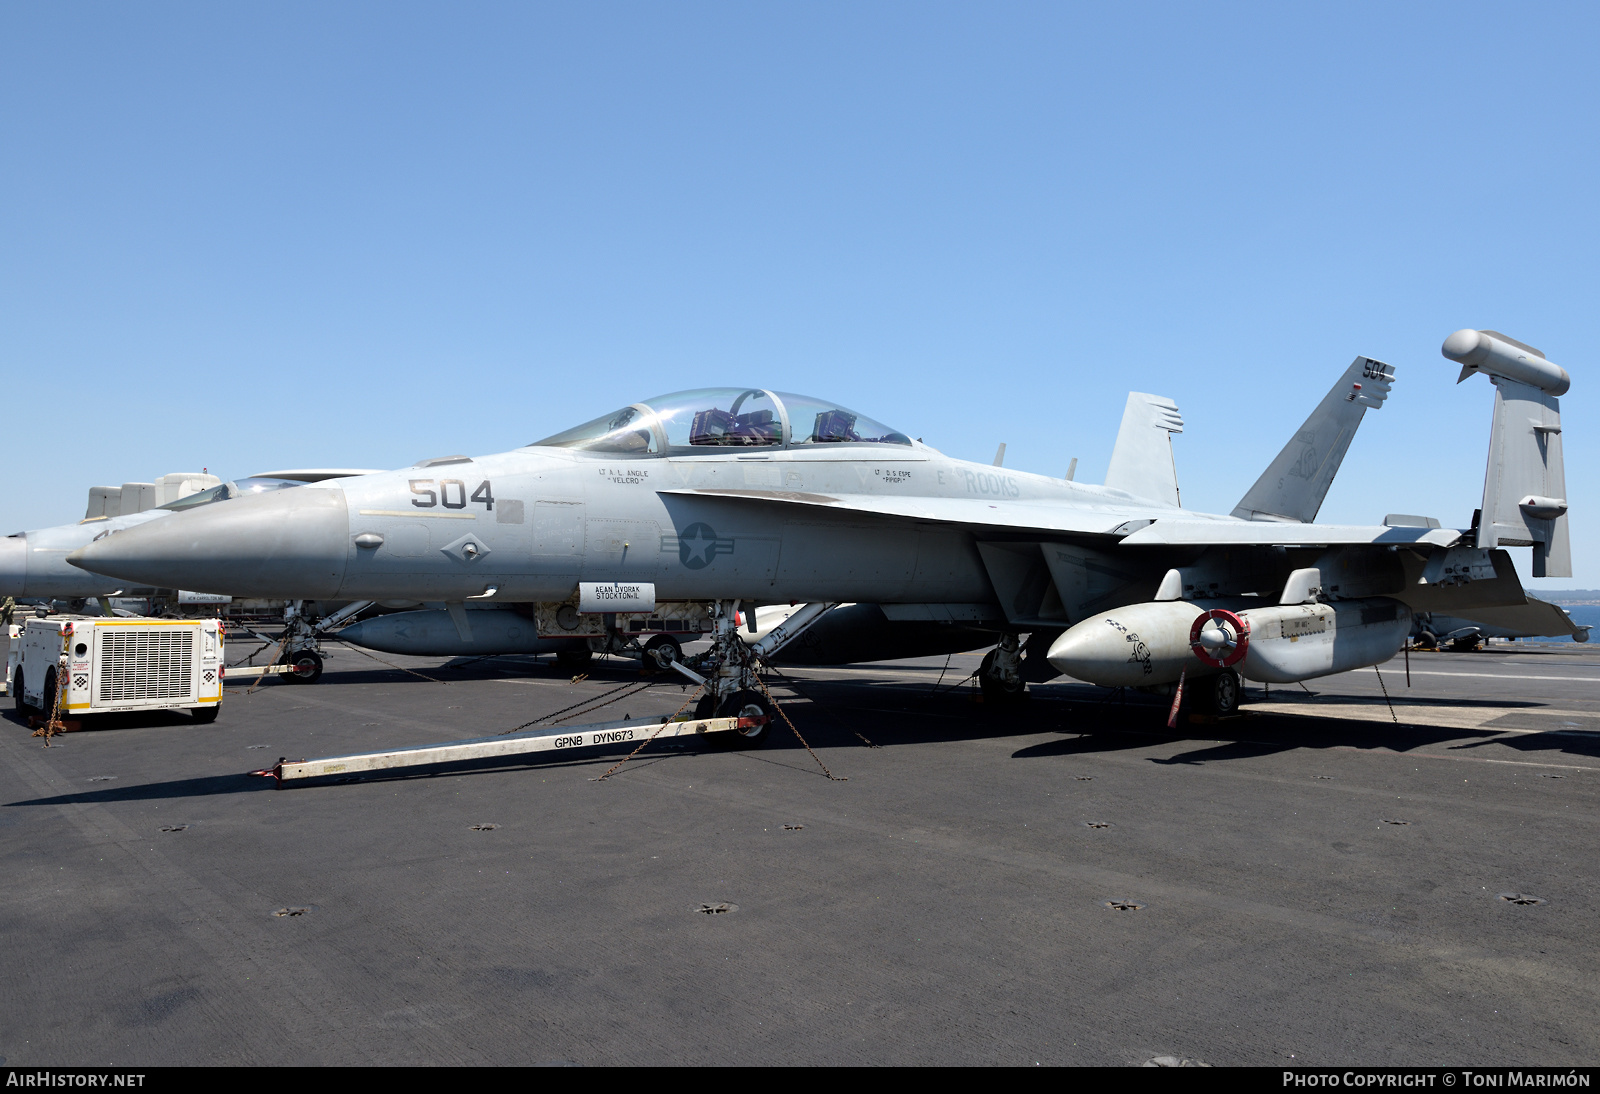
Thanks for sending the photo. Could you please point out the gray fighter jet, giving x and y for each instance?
(692, 505)
(1292, 488)
(33, 563)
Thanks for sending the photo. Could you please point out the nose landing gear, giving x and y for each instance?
(303, 636)
(728, 670)
(755, 714)
(305, 667)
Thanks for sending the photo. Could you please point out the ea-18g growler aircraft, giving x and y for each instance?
(857, 632)
(695, 505)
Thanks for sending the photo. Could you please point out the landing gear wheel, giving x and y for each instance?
(660, 650)
(305, 667)
(1427, 640)
(705, 708)
(206, 715)
(995, 688)
(745, 704)
(1222, 693)
(573, 662)
(18, 696)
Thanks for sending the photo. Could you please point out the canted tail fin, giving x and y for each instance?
(1525, 486)
(1294, 484)
(1141, 461)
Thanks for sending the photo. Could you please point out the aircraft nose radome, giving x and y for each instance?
(13, 566)
(290, 544)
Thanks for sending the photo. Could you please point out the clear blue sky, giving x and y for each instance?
(248, 236)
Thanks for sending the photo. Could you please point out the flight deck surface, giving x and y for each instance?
(1309, 890)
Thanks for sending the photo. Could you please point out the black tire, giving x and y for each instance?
(745, 704)
(1427, 640)
(661, 649)
(706, 707)
(17, 696)
(47, 697)
(996, 690)
(305, 667)
(1222, 693)
(573, 662)
(207, 714)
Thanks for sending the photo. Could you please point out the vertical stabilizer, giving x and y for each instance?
(1141, 462)
(104, 501)
(1294, 484)
(1525, 486)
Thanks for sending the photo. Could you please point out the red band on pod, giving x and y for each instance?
(1220, 659)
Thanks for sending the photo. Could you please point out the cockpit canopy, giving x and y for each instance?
(259, 484)
(726, 417)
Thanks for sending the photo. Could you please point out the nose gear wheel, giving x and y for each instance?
(749, 707)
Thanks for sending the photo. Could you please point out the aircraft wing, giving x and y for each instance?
(1132, 522)
(1205, 533)
(1032, 516)
(1536, 617)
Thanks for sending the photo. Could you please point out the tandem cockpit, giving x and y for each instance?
(689, 422)
(257, 484)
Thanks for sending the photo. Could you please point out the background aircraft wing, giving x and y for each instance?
(316, 474)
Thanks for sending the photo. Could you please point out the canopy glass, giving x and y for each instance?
(236, 489)
(713, 418)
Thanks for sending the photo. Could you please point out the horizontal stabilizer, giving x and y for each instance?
(1294, 485)
(1490, 583)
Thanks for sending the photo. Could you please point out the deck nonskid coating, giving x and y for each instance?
(945, 904)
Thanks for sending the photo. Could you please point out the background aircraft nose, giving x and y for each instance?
(13, 565)
(290, 544)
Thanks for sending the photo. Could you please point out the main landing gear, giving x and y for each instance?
(1219, 694)
(1000, 674)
